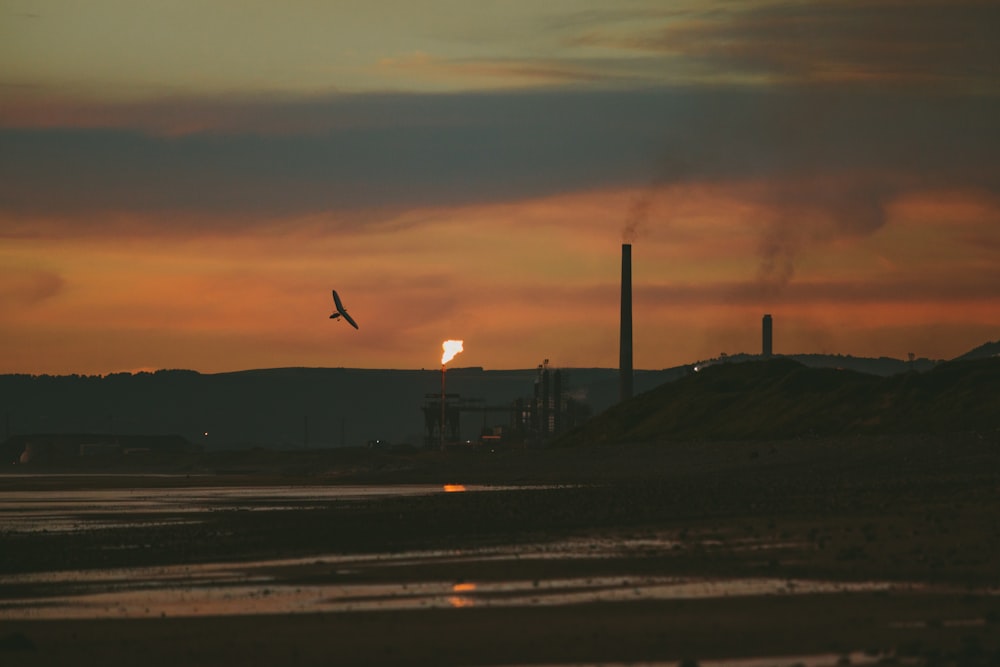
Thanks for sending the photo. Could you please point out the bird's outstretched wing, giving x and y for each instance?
(342, 311)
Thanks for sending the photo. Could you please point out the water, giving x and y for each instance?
(86, 509)
(327, 583)
(261, 587)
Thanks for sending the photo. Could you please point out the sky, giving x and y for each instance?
(183, 183)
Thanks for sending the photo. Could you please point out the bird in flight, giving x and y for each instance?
(341, 311)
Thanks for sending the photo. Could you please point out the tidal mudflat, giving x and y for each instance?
(807, 552)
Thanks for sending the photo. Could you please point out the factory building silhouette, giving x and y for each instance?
(547, 413)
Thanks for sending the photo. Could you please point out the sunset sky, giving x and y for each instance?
(183, 183)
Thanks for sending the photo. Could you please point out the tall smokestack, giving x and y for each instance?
(625, 340)
(766, 330)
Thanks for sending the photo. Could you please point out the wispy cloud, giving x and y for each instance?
(486, 73)
(833, 292)
(929, 44)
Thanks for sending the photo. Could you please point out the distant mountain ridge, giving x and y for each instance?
(281, 407)
(324, 407)
(883, 366)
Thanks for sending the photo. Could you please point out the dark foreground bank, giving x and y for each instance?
(920, 513)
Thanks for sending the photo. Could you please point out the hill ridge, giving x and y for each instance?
(782, 398)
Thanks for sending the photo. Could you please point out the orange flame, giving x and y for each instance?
(454, 488)
(451, 348)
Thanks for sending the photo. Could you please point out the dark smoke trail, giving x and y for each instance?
(841, 209)
(638, 210)
(666, 170)
(777, 249)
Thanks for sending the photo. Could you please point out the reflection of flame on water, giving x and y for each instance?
(451, 348)
(460, 600)
(453, 488)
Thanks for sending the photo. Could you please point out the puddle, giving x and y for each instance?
(222, 589)
(82, 510)
(174, 595)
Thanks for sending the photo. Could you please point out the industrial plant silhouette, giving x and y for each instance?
(298, 408)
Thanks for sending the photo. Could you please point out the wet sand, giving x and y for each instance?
(919, 516)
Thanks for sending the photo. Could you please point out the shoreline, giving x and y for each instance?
(905, 510)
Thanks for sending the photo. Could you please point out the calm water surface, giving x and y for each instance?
(261, 587)
(89, 509)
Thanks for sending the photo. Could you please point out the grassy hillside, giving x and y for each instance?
(780, 398)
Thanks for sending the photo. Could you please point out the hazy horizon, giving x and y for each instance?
(452, 367)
